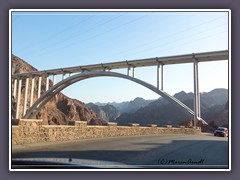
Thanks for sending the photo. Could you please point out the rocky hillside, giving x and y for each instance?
(216, 96)
(107, 112)
(161, 112)
(222, 118)
(61, 109)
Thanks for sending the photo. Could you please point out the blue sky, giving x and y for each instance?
(49, 40)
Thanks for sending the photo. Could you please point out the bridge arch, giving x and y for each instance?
(34, 109)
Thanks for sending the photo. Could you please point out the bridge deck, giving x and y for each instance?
(188, 58)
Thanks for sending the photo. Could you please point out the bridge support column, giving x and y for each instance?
(63, 76)
(32, 90)
(196, 92)
(15, 88)
(19, 97)
(133, 71)
(39, 86)
(25, 96)
(158, 67)
(47, 82)
(128, 70)
(162, 77)
(54, 79)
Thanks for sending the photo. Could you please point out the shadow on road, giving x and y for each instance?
(177, 154)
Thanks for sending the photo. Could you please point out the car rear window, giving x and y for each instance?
(221, 129)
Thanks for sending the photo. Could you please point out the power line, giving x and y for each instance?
(87, 31)
(97, 35)
(189, 42)
(55, 34)
(165, 37)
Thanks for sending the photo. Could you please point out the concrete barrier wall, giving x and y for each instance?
(32, 131)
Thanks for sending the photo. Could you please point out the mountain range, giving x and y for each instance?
(213, 110)
(128, 106)
(161, 112)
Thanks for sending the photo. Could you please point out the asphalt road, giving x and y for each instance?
(155, 151)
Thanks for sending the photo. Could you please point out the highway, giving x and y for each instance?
(152, 151)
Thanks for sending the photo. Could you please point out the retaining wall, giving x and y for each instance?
(32, 131)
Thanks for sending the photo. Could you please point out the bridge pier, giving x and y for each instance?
(25, 96)
(39, 86)
(198, 93)
(128, 70)
(158, 67)
(32, 90)
(15, 88)
(197, 106)
(47, 82)
(162, 78)
(63, 76)
(18, 97)
(54, 79)
(133, 71)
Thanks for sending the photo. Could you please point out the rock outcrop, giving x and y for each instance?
(60, 110)
(222, 118)
(107, 112)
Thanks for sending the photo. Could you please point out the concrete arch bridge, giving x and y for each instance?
(79, 73)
